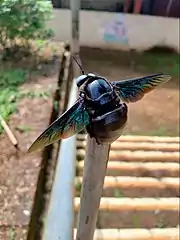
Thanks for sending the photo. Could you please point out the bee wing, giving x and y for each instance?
(132, 90)
(68, 124)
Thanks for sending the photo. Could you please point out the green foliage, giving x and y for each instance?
(78, 189)
(23, 129)
(117, 193)
(36, 94)
(56, 105)
(9, 82)
(158, 62)
(136, 220)
(23, 19)
(12, 234)
(160, 224)
(11, 78)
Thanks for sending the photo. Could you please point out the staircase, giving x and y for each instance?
(141, 190)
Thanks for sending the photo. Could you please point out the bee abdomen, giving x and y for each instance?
(108, 127)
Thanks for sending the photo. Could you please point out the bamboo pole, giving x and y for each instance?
(75, 9)
(93, 179)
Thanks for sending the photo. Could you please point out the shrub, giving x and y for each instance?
(23, 20)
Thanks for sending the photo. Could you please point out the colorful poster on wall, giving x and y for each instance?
(116, 31)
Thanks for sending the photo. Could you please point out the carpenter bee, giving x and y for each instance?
(100, 108)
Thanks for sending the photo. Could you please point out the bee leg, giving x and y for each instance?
(89, 131)
(98, 143)
(91, 134)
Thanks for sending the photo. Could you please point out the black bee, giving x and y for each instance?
(100, 108)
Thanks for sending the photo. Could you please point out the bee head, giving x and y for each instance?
(83, 78)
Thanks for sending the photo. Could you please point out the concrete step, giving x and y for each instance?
(126, 186)
(151, 169)
(135, 138)
(136, 234)
(126, 182)
(137, 146)
(138, 156)
(141, 188)
(137, 204)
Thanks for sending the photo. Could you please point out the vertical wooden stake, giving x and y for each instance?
(75, 9)
(9, 132)
(93, 179)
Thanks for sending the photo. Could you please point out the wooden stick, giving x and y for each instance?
(93, 179)
(9, 132)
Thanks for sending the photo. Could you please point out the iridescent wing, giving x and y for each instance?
(68, 124)
(132, 90)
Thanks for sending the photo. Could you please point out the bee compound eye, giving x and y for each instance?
(80, 80)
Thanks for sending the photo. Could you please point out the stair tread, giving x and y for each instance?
(135, 146)
(128, 181)
(121, 165)
(147, 204)
(136, 138)
(126, 155)
(136, 234)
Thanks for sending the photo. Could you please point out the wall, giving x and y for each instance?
(94, 4)
(144, 32)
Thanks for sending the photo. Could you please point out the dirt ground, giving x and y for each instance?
(156, 114)
(19, 171)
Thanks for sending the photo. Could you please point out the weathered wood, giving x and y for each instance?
(93, 179)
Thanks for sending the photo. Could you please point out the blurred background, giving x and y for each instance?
(146, 35)
(118, 39)
(168, 8)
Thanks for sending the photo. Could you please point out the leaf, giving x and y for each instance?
(25, 19)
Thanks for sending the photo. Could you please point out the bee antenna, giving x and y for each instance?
(78, 65)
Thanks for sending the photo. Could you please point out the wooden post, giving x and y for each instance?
(137, 6)
(75, 7)
(95, 160)
(169, 7)
(93, 180)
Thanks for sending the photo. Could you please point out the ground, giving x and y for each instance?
(156, 114)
